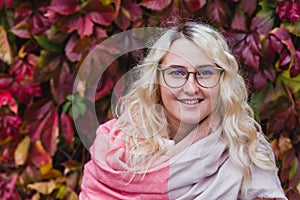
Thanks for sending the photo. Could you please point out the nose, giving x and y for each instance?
(191, 86)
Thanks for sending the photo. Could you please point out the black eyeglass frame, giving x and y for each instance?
(188, 75)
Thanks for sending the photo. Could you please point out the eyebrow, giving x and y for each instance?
(197, 67)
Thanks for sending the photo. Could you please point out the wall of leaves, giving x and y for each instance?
(43, 43)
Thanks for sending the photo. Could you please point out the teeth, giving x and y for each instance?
(190, 101)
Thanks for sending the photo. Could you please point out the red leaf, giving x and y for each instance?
(38, 24)
(259, 80)
(21, 30)
(122, 21)
(7, 99)
(128, 12)
(50, 132)
(5, 80)
(68, 23)
(291, 122)
(85, 26)
(38, 155)
(160, 4)
(69, 49)
(262, 25)
(64, 7)
(66, 129)
(134, 10)
(249, 6)
(62, 83)
(270, 74)
(99, 33)
(216, 11)
(276, 44)
(196, 4)
(284, 36)
(8, 186)
(103, 17)
(295, 70)
(288, 10)
(37, 110)
(285, 59)
(8, 3)
(238, 21)
(105, 86)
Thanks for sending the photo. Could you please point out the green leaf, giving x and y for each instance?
(62, 191)
(267, 7)
(294, 168)
(293, 83)
(255, 103)
(293, 28)
(47, 45)
(66, 106)
(106, 2)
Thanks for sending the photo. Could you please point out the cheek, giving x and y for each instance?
(214, 97)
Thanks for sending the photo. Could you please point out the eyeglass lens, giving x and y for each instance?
(206, 76)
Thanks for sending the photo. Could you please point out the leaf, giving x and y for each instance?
(72, 56)
(49, 46)
(21, 152)
(249, 6)
(157, 4)
(5, 50)
(294, 168)
(216, 12)
(128, 12)
(6, 99)
(288, 10)
(66, 129)
(284, 36)
(103, 16)
(38, 155)
(50, 132)
(259, 80)
(85, 26)
(71, 165)
(64, 7)
(293, 83)
(238, 21)
(21, 30)
(61, 83)
(295, 69)
(45, 188)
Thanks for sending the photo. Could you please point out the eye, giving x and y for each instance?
(177, 72)
(206, 72)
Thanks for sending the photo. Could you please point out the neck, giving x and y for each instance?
(179, 130)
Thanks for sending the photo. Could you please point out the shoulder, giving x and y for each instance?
(107, 126)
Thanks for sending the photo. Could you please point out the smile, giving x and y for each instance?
(190, 101)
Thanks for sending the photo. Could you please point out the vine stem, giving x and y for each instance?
(290, 97)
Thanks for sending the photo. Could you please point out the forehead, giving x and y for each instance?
(186, 53)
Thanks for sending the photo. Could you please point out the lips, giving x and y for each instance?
(190, 101)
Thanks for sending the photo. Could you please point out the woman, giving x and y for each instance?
(184, 130)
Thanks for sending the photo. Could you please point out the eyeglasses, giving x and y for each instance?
(207, 76)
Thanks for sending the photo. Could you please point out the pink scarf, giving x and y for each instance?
(203, 170)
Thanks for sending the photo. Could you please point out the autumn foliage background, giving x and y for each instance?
(43, 43)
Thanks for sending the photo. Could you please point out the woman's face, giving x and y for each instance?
(191, 103)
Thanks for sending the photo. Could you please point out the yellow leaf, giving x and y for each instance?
(5, 50)
(45, 168)
(21, 152)
(36, 196)
(45, 188)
